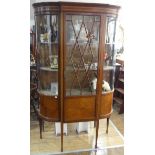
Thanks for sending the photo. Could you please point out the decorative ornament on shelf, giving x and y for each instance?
(105, 85)
(32, 60)
(93, 84)
(54, 61)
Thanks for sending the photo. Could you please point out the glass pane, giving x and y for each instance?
(47, 46)
(81, 57)
(110, 29)
(109, 57)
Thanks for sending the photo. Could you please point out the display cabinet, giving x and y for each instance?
(75, 61)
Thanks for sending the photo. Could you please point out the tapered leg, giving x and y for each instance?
(62, 136)
(40, 125)
(107, 125)
(43, 126)
(94, 124)
(97, 127)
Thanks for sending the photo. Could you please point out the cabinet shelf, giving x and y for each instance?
(110, 43)
(108, 68)
(105, 68)
(81, 43)
(74, 92)
(80, 69)
(46, 92)
(49, 69)
(51, 43)
(78, 92)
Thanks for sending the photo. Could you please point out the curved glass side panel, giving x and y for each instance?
(109, 56)
(81, 54)
(47, 48)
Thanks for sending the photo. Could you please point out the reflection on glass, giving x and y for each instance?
(47, 46)
(47, 26)
(109, 56)
(81, 57)
(110, 33)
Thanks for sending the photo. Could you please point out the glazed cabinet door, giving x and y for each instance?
(47, 48)
(47, 64)
(81, 54)
(109, 55)
(80, 66)
(108, 67)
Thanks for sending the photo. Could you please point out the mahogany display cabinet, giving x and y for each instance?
(75, 46)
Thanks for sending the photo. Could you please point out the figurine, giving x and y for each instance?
(93, 84)
(105, 85)
(32, 60)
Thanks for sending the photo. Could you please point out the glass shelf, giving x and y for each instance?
(46, 92)
(76, 69)
(49, 69)
(78, 92)
(49, 43)
(113, 43)
(91, 69)
(108, 68)
(106, 92)
(81, 43)
(74, 92)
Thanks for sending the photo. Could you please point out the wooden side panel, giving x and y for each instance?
(49, 107)
(79, 109)
(106, 104)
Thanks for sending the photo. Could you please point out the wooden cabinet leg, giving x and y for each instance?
(40, 126)
(94, 124)
(43, 126)
(97, 127)
(107, 125)
(62, 136)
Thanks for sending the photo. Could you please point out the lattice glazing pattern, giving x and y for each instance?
(81, 54)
